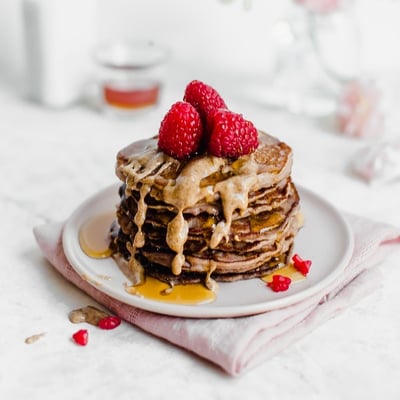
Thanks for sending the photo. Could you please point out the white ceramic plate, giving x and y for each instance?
(326, 239)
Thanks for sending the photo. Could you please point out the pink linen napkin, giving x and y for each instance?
(240, 344)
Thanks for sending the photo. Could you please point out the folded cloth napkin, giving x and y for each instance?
(239, 344)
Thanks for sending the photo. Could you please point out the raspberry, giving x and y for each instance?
(279, 283)
(204, 98)
(109, 322)
(81, 337)
(301, 265)
(180, 131)
(231, 135)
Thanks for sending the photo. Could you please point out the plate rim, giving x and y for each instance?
(206, 310)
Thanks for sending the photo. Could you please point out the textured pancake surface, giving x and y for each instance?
(206, 218)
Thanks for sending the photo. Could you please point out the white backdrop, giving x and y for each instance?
(207, 34)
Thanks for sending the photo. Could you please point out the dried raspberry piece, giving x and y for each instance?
(279, 283)
(109, 322)
(81, 337)
(204, 98)
(303, 266)
(180, 131)
(231, 135)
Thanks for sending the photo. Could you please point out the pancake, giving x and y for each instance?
(205, 219)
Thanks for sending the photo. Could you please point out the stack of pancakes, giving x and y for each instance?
(205, 219)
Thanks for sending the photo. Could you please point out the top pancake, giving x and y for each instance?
(273, 157)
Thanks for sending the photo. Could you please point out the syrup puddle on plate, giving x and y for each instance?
(289, 271)
(94, 236)
(190, 294)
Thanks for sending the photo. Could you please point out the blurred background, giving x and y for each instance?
(238, 38)
(335, 61)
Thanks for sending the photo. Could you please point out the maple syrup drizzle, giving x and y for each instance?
(288, 270)
(191, 185)
(93, 239)
(190, 294)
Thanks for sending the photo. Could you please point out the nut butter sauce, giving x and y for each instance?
(145, 166)
(186, 192)
(93, 239)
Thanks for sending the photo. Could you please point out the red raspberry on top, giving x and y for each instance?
(180, 131)
(204, 98)
(231, 135)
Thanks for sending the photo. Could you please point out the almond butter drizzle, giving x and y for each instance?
(90, 314)
(34, 338)
(186, 192)
(234, 194)
(242, 176)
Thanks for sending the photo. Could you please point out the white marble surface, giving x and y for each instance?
(52, 160)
